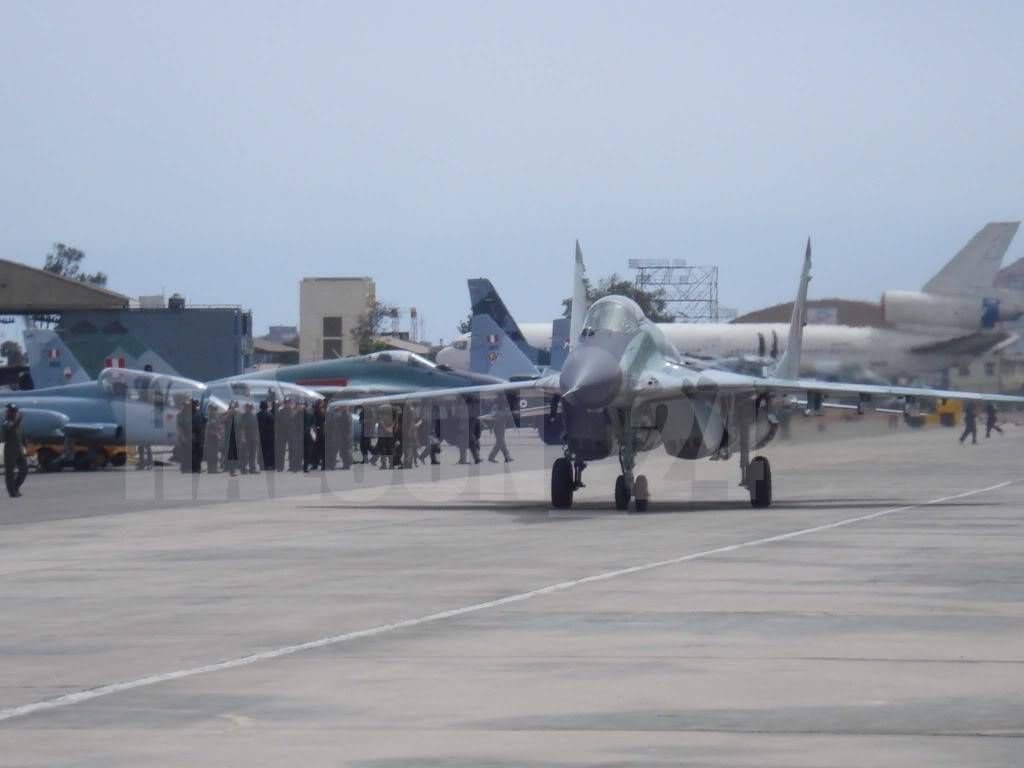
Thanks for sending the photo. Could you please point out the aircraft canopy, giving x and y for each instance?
(146, 386)
(614, 313)
(401, 358)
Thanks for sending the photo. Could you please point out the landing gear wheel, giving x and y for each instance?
(49, 461)
(82, 463)
(621, 493)
(561, 484)
(759, 481)
(640, 493)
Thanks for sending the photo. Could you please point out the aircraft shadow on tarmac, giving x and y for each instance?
(541, 512)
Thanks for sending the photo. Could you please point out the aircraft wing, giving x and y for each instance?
(542, 384)
(348, 393)
(969, 345)
(724, 382)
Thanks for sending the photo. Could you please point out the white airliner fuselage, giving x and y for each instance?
(828, 350)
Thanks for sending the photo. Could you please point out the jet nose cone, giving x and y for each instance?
(591, 378)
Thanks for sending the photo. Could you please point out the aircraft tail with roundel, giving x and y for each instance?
(494, 352)
(50, 362)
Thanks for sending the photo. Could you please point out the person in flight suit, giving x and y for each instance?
(249, 432)
(342, 435)
(214, 439)
(15, 461)
(499, 424)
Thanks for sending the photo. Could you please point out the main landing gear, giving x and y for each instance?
(756, 475)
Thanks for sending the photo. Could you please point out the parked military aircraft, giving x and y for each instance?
(120, 405)
(625, 389)
(379, 373)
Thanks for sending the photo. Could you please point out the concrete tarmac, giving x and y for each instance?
(872, 617)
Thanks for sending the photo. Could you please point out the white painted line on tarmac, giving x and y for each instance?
(80, 697)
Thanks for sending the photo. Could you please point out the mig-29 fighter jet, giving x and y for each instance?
(625, 389)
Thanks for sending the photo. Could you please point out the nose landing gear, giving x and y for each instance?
(566, 479)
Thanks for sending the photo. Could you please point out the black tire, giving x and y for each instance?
(82, 463)
(118, 459)
(48, 460)
(621, 493)
(640, 493)
(561, 484)
(760, 482)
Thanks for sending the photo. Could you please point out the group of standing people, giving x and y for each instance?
(303, 437)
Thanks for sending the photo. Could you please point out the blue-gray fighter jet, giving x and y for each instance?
(625, 389)
(121, 405)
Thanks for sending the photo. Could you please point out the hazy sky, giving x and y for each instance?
(225, 150)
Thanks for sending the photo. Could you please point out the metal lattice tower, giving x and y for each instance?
(690, 292)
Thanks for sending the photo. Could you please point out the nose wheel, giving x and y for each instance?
(561, 484)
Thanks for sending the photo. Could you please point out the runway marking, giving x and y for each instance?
(243, 661)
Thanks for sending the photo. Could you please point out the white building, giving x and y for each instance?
(329, 310)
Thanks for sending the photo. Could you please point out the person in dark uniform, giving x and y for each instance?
(249, 434)
(318, 455)
(990, 420)
(15, 461)
(183, 445)
(230, 431)
(970, 424)
(499, 423)
(198, 435)
(265, 421)
(397, 437)
(474, 429)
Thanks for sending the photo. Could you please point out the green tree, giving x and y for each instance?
(370, 325)
(12, 351)
(65, 261)
(465, 325)
(652, 303)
